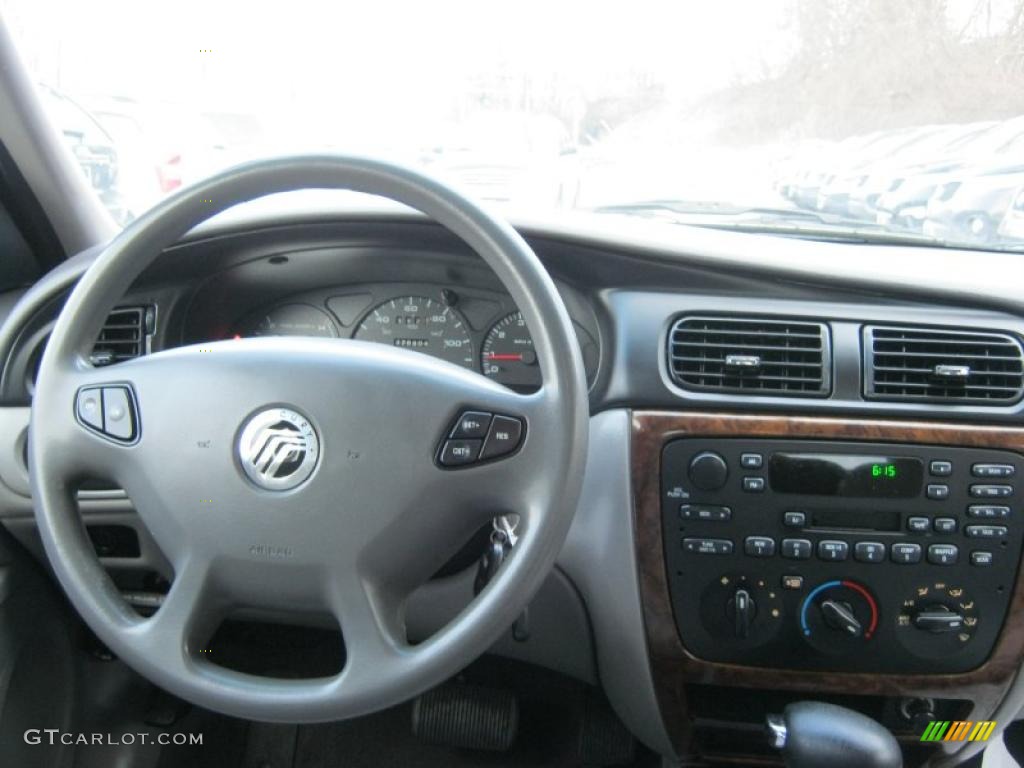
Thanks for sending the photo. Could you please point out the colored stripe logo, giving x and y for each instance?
(958, 730)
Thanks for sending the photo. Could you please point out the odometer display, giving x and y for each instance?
(421, 324)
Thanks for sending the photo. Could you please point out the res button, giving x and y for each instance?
(503, 438)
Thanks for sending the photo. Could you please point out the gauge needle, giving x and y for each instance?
(493, 356)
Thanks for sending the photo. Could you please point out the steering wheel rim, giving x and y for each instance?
(235, 545)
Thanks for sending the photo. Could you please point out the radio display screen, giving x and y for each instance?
(842, 474)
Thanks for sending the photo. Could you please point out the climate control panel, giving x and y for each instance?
(841, 556)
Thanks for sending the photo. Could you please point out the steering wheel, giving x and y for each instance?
(305, 476)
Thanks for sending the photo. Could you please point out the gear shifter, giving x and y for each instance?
(811, 734)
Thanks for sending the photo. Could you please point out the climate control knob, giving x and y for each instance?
(839, 616)
(708, 471)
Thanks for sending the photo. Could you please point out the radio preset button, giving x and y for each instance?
(918, 524)
(906, 553)
(751, 460)
(937, 491)
(708, 546)
(982, 491)
(943, 554)
(985, 531)
(759, 546)
(832, 550)
(796, 549)
(794, 519)
(988, 511)
(981, 557)
(940, 468)
(992, 470)
(753, 484)
(704, 512)
(945, 525)
(869, 551)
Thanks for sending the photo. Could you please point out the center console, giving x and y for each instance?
(840, 555)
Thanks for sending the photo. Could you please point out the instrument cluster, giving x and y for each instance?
(480, 330)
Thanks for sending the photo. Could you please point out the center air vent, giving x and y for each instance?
(755, 356)
(123, 336)
(942, 365)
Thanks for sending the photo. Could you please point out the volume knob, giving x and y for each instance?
(708, 471)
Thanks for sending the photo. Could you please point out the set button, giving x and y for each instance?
(480, 436)
(906, 553)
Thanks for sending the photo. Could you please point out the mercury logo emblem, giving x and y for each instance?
(278, 449)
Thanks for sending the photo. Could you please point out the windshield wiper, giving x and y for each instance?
(785, 222)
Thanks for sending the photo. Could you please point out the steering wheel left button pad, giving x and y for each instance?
(110, 411)
(480, 436)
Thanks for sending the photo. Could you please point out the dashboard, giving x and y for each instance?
(482, 331)
(766, 506)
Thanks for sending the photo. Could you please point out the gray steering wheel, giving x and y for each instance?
(374, 512)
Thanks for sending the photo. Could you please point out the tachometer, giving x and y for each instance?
(290, 320)
(422, 324)
(508, 356)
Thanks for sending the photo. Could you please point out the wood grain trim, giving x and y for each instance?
(672, 667)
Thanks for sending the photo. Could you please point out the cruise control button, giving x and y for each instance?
(759, 546)
(945, 525)
(833, 550)
(940, 468)
(869, 551)
(708, 546)
(991, 491)
(457, 453)
(905, 553)
(90, 408)
(943, 554)
(937, 491)
(988, 511)
(704, 512)
(472, 424)
(918, 524)
(985, 531)
(981, 557)
(992, 470)
(796, 549)
(503, 437)
(118, 414)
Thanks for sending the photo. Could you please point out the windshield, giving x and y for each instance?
(868, 119)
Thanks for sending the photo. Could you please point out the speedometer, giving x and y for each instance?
(422, 324)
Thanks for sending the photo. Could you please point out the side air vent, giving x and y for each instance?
(753, 356)
(942, 365)
(122, 338)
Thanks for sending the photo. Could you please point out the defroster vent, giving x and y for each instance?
(753, 356)
(944, 365)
